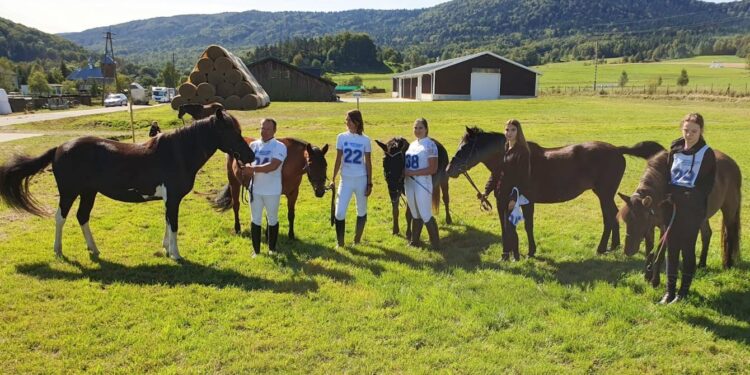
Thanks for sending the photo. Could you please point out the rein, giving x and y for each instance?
(663, 239)
(484, 203)
(236, 156)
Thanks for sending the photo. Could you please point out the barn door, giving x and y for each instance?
(485, 86)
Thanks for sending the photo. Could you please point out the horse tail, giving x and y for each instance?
(223, 199)
(645, 149)
(730, 238)
(14, 181)
(439, 176)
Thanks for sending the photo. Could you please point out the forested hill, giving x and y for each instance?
(21, 43)
(527, 30)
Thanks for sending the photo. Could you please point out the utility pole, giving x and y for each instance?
(596, 61)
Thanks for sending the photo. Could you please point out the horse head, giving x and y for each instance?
(317, 168)
(229, 136)
(475, 147)
(639, 215)
(393, 165)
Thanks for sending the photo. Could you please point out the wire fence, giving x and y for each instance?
(728, 90)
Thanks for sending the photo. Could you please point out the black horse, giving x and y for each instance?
(393, 169)
(557, 174)
(162, 168)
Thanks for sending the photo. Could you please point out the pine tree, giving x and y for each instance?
(683, 79)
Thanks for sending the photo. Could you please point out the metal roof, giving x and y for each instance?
(87, 73)
(433, 67)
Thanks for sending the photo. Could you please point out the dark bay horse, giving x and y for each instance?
(642, 212)
(302, 158)
(163, 168)
(393, 169)
(557, 174)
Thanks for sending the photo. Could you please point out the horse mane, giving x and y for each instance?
(654, 177)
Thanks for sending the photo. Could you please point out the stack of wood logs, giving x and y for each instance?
(221, 77)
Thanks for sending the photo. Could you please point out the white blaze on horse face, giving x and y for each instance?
(59, 222)
(89, 239)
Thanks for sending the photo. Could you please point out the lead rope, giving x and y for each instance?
(484, 203)
(664, 238)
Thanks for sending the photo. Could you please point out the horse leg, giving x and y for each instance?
(656, 269)
(291, 202)
(528, 218)
(65, 202)
(609, 211)
(394, 211)
(173, 209)
(446, 202)
(649, 238)
(706, 233)
(408, 222)
(234, 189)
(83, 215)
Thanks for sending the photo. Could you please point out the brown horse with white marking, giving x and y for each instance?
(163, 168)
(642, 212)
(302, 158)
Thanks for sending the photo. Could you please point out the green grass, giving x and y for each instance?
(380, 306)
(581, 73)
(378, 80)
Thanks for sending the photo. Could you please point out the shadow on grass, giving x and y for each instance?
(297, 255)
(185, 273)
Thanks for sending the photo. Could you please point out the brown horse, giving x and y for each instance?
(557, 174)
(642, 212)
(163, 168)
(198, 111)
(302, 158)
(393, 168)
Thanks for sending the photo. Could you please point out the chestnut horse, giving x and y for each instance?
(163, 168)
(302, 158)
(393, 169)
(557, 174)
(642, 212)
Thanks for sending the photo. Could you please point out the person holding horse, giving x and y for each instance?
(265, 186)
(513, 186)
(691, 173)
(421, 162)
(356, 174)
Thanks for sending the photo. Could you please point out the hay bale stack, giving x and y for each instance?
(221, 77)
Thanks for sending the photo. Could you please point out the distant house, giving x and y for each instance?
(481, 76)
(285, 82)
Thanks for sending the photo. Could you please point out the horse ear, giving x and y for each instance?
(382, 145)
(220, 113)
(647, 201)
(324, 149)
(468, 130)
(624, 198)
(309, 149)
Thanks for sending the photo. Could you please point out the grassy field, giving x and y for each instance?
(379, 306)
(640, 74)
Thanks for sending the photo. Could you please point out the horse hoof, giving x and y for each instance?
(448, 221)
(655, 283)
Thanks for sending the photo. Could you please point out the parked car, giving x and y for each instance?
(115, 99)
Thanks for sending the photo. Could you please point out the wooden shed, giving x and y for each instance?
(287, 83)
(481, 76)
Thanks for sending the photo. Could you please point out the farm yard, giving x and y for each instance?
(380, 306)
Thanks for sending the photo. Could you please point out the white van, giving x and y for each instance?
(162, 94)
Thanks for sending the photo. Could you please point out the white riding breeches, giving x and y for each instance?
(419, 200)
(349, 186)
(270, 203)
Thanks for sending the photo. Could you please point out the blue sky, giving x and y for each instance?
(55, 16)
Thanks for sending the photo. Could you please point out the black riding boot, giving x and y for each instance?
(670, 295)
(340, 228)
(273, 235)
(687, 279)
(255, 234)
(416, 231)
(361, 220)
(432, 231)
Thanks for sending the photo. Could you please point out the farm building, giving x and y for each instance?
(287, 83)
(481, 76)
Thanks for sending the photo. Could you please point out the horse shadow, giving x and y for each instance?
(182, 274)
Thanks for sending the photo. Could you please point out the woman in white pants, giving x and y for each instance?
(265, 187)
(356, 174)
(420, 164)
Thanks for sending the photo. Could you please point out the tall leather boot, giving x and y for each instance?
(416, 231)
(670, 295)
(432, 230)
(361, 220)
(255, 235)
(340, 228)
(273, 235)
(687, 279)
